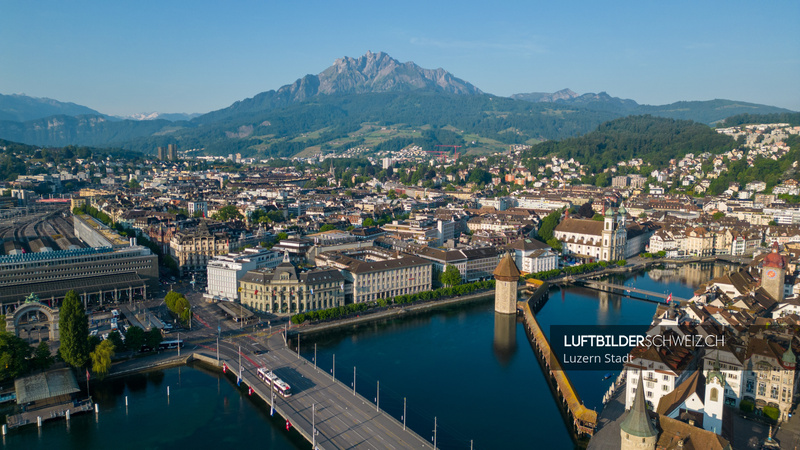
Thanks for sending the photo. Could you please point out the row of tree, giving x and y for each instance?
(353, 308)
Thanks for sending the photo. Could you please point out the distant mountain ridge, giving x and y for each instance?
(327, 111)
(370, 73)
(20, 108)
(172, 117)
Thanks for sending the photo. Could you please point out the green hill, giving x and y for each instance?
(654, 139)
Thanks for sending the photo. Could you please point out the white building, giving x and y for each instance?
(224, 272)
(532, 256)
(202, 207)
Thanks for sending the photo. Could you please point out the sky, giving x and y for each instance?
(197, 56)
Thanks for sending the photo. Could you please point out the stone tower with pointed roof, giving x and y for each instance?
(773, 274)
(506, 277)
(637, 431)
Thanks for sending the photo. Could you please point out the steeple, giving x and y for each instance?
(638, 421)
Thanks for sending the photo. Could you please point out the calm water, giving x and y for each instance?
(472, 370)
(204, 411)
(476, 372)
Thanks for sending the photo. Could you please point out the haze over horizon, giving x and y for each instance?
(123, 59)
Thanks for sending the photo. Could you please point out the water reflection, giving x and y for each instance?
(505, 337)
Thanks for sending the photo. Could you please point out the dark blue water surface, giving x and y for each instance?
(203, 411)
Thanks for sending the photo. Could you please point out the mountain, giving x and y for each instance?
(373, 100)
(93, 130)
(546, 97)
(172, 117)
(708, 112)
(20, 107)
(371, 73)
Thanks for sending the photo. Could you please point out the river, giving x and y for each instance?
(471, 370)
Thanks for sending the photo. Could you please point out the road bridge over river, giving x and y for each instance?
(341, 417)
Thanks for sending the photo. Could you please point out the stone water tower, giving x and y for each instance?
(506, 277)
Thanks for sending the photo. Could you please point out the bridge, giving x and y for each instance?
(627, 291)
(584, 419)
(322, 409)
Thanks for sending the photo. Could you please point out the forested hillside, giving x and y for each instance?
(654, 139)
(792, 118)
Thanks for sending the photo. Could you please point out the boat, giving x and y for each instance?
(608, 375)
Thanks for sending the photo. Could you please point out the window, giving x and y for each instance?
(714, 395)
(762, 388)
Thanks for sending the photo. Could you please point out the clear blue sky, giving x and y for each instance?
(124, 57)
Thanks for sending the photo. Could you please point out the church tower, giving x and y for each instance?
(637, 431)
(506, 277)
(609, 236)
(715, 399)
(773, 274)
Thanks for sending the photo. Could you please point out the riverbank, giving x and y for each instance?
(391, 312)
(638, 263)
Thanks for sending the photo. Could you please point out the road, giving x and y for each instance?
(342, 419)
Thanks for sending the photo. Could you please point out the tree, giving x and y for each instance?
(451, 276)
(555, 243)
(327, 227)
(116, 338)
(718, 215)
(586, 210)
(101, 358)
(227, 213)
(14, 353)
(368, 222)
(281, 236)
(392, 194)
(548, 225)
(153, 338)
(74, 330)
(135, 338)
(42, 359)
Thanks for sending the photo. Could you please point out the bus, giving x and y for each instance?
(280, 386)
(166, 345)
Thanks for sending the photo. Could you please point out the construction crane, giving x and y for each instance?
(455, 149)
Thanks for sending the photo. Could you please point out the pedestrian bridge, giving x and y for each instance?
(627, 291)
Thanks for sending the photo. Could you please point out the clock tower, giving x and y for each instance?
(773, 272)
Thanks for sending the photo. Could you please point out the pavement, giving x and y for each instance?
(607, 435)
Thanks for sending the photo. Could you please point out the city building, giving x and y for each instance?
(198, 206)
(225, 271)
(192, 249)
(533, 256)
(284, 290)
(593, 240)
(374, 273)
